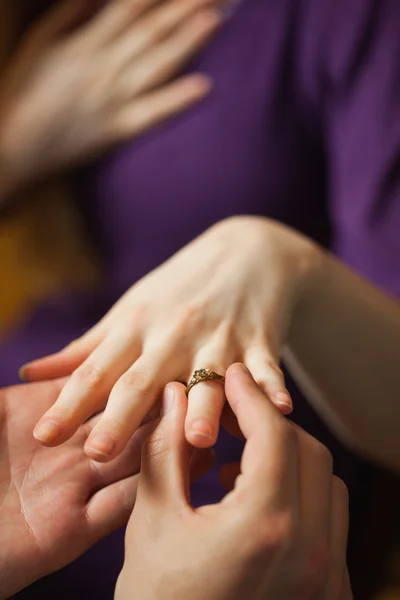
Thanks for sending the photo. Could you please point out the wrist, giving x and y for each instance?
(16, 573)
(314, 270)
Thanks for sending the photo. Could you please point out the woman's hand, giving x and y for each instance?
(54, 502)
(228, 296)
(82, 83)
(281, 533)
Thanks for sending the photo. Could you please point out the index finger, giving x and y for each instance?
(269, 462)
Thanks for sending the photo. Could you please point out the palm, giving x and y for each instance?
(54, 502)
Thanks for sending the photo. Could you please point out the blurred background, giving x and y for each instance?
(28, 240)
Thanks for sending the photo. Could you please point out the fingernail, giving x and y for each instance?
(203, 428)
(284, 399)
(47, 431)
(101, 443)
(168, 400)
(22, 372)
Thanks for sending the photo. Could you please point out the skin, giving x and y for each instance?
(88, 77)
(280, 533)
(54, 503)
(132, 353)
(288, 297)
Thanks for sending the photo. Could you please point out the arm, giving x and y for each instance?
(354, 84)
(344, 351)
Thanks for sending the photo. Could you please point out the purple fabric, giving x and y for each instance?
(303, 126)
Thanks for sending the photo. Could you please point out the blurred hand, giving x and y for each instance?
(227, 296)
(84, 80)
(280, 534)
(54, 503)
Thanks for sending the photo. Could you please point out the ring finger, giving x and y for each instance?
(206, 401)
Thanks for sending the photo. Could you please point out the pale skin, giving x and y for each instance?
(90, 76)
(259, 291)
(280, 533)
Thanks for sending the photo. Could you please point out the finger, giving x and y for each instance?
(337, 582)
(164, 478)
(165, 61)
(110, 508)
(131, 398)
(123, 466)
(228, 475)
(113, 20)
(269, 376)
(158, 106)
(154, 27)
(206, 401)
(88, 387)
(269, 462)
(315, 490)
(64, 362)
(63, 17)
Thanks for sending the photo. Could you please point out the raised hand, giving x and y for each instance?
(85, 80)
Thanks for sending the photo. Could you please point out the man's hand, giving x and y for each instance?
(54, 502)
(281, 533)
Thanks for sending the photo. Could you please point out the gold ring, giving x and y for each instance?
(203, 375)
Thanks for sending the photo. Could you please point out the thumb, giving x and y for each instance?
(165, 470)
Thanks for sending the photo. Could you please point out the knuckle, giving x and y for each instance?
(138, 313)
(324, 455)
(135, 381)
(274, 536)
(189, 318)
(318, 565)
(90, 375)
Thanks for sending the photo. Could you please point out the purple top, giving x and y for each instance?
(303, 126)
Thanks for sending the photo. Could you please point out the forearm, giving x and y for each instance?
(344, 351)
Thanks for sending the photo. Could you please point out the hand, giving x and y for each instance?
(227, 296)
(83, 82)
(281, 533)
(54, 503)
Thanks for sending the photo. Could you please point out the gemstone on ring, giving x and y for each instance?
(203, 375)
